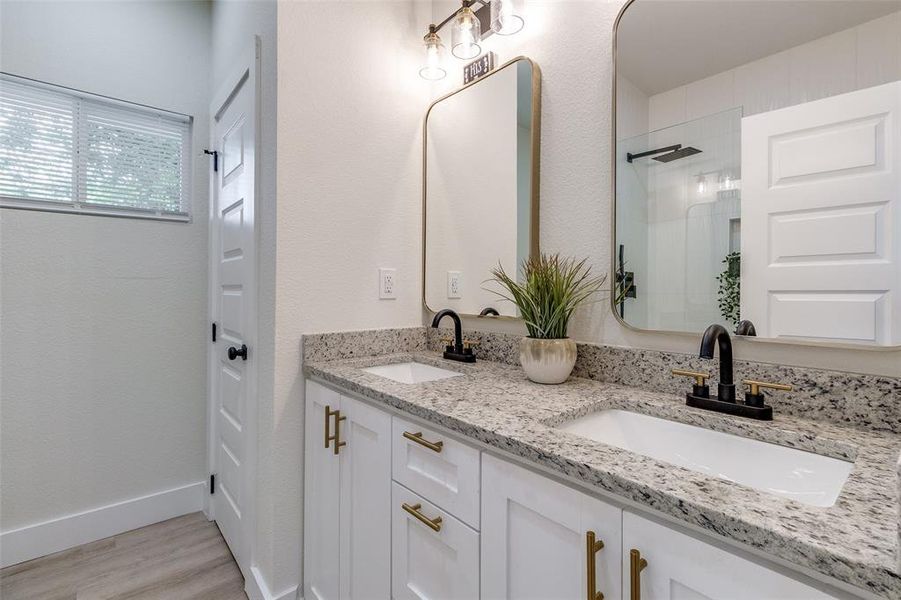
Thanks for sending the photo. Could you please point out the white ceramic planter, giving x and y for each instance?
(547, 361)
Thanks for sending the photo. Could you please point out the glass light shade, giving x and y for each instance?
(466, 35)
(504, 21)
(434, 56)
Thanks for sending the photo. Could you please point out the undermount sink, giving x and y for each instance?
(803, 476)
(411, 372)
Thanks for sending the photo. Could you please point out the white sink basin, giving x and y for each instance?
(803, 476)
(411, 372)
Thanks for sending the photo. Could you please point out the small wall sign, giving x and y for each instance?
(478, 68)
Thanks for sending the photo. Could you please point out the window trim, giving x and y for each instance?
(81, 208)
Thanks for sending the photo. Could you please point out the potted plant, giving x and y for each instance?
(547, 293)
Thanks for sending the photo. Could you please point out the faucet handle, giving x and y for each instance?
(754, 386)
(448, 340)
(700, 389)
(468, 344)
(754, 397)
(700, 378)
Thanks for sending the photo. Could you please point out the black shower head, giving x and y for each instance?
(677, 154)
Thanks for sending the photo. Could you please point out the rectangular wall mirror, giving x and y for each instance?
(758, 169)
(480, 188)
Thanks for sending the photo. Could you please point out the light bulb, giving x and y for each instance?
(503, 20)
(702, 184)
(434, 51)
(466, 34)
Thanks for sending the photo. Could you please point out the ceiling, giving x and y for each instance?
(662, 44)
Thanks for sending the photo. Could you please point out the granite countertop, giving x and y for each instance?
(854, 541)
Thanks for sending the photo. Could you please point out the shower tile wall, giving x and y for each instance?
(853, 59)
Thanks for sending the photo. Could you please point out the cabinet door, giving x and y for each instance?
(365, 505)
(681, 567)
(321, 491)
(429, 564)
(534, 537)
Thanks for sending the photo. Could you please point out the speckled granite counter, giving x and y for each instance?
(854, 541)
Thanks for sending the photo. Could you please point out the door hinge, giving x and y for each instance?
(215, 156)
(214, 332)
(212, 483)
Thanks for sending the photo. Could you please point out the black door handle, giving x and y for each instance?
(234, 353)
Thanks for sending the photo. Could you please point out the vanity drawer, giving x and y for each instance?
(427, 563)
(442, 470)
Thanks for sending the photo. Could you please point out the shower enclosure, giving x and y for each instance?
(678, 224)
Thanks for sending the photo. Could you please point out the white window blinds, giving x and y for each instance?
(68, 151)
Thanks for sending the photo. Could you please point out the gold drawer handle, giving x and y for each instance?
(417, 437)
(433, 524)
(592, 547)
(636, 565)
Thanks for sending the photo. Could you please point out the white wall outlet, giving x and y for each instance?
(454, 284)
(387, 284)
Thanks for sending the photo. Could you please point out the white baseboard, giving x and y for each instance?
(257, 589)
(40, 539)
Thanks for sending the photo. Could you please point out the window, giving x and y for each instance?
(68, 151)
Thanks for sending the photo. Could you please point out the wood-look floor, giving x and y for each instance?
(181, 559)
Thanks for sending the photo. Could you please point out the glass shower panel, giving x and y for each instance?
(678, 218)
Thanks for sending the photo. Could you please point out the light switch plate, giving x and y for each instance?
(387, 284)
(454, 284)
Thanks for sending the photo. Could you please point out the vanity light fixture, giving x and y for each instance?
(467, 33)
(503, 20)
(434, 53)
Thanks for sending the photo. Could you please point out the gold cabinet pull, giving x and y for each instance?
(329, 413)
(433, 524)
(417, 437)
(754, 386)
(636, 566)
(592, 547)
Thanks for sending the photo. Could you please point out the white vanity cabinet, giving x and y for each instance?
(682, 567)
(406, 512)
(534, 538)
(347, 507)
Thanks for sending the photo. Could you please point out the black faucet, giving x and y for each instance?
(718, 334)
(753, 407)
(455, 351)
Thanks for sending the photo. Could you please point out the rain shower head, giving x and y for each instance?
(677, 154)
(674, 152)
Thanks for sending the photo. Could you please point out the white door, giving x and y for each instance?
(430, 564)
(365, 501)
(534, 538)
(820, 218)
(233, 307)
(321, 494)
(680, 567)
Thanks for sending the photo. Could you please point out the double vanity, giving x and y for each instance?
(429, 478)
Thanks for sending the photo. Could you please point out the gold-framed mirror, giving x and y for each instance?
(481, 146)
(757, 169)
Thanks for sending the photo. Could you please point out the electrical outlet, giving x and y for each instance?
(387, 284)
(454, 283)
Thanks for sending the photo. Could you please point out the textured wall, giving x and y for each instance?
(104, 320)
(349, 150)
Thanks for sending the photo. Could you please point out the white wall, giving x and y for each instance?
(104, 319)
(349, 170)
(234, 23)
